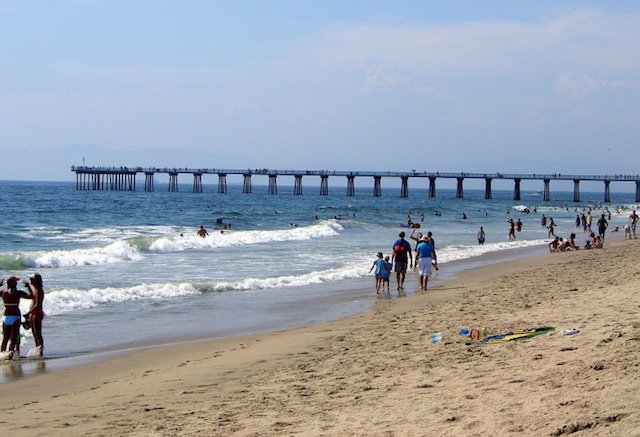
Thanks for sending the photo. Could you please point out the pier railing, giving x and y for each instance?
(124, 178)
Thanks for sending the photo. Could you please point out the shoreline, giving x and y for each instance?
(26, 368)
(344, 377)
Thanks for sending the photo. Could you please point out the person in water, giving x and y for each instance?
(11, 319)
(202, 232)
(35, 313)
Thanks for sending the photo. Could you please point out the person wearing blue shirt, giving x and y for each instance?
(381, 266)
(426, 253)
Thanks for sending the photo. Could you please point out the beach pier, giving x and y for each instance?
(432, 186)
(246, 184)
(351, 185)
(273, 184)
(197, 182)
(459, 189)
(173, 181)
(516, 189)
(124, 178)
(377, 186)
(148, 181)
(404, 187)
(324, 185)
(297, 185)
(222, 183)
(487, 188)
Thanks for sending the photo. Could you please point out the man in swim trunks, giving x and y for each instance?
(11, 318)
(400, 258)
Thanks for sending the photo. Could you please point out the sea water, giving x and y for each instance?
(126, 269)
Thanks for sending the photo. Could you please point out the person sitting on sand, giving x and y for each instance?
(571, 243)
(553, 246)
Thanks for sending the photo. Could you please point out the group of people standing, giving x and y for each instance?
(12, 317)
(402, 259)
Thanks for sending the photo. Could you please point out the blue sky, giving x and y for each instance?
(474, 86)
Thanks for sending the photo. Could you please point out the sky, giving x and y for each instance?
(476, 86)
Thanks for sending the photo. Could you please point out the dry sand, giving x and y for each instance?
(378, 374)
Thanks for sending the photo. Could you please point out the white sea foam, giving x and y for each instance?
(119, 251)
(71, 300)
(230, 238)
(458, 252)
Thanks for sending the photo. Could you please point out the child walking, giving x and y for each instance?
(380, 266)
(386, 274)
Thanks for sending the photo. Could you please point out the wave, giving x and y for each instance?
(119, 251)
(229, 238)
(458, 252)
(134, 242)
(71, 300)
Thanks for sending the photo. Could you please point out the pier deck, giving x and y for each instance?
(124, 178)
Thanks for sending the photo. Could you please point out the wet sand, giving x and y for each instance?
(378, 373)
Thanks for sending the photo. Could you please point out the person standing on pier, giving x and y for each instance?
(400, 259)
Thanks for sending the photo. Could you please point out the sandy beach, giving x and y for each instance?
(378, 373)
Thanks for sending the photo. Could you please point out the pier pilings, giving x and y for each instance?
(124, 179)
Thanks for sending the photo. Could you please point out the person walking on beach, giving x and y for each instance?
(551, 227)
(202, 232)
(417, 241)
(35, 313)
(602, 226)
(481, 236)
(426, 253)
(380, 265)
(633, 218)
(11, 319)
(400, 259)
(433, 243)
(386, 274)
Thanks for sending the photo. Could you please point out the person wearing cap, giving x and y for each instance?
(11, 319)
(426, 253)
(35, 313)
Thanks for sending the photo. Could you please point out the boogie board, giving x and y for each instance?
(517, 335)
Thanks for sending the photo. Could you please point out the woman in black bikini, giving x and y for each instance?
(11, 319)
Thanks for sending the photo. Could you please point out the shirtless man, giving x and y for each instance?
(202, 232)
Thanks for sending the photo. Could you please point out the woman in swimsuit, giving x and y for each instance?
(11, 319)
(35, 313)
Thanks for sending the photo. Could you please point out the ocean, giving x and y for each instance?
(125, 269)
